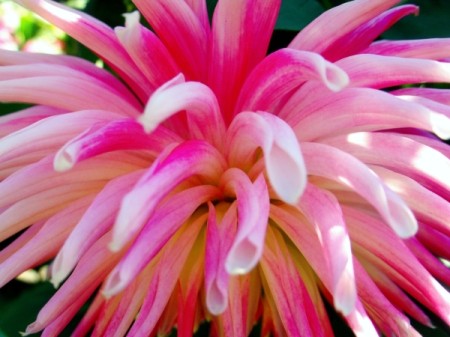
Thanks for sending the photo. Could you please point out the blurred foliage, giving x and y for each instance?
(20, 302)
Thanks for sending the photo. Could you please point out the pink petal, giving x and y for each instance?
(191, 158)
(389, 253)
(364, 109)
(438, 95)
(39, 248)
(320, 34)
(182, 33)
(420, 162)
(323, 211)
(434, 49)
(334, 164)
(253, 212)
(282, 155)
(96, 35)
(147, 51)
(199, 101)
(281, 72)
(120, 134)
(219, 238)
(364, 70)
(287, 289)
(361, 37)
(90, 272)
(161, 226)
(15, 72)
(165, 278)
(65, 93)
(235, 51)
(71, 62)
(96, 221)
(23, 118)
(50, 132)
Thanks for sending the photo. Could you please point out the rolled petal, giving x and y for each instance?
(120, 134)
(423, 163)
(361, 37)
(65, 93)
(161, 226)
(192, 158)
(86, 278)
(39, 248)
(395, 70)
(319, 35)
(147, 51)
(235, 51)
(433, 49)
(166, 276)
(253, 213)
(219, 238)
(364, 109)
(8, 58)
(96, 221)
(281, 72)
(50, 132)
(282, 155)
(195, 97)
(95, 35)
(334, 164)
(323, 211)
(181, 31)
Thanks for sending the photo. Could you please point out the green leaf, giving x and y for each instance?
(296, 14)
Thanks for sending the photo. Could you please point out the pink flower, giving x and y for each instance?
(208, 181)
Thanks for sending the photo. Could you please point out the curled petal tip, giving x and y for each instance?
(114, 284)
(216, 301)
(335, 78)
(63, 161)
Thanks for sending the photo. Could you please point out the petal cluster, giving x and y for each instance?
(203, 180)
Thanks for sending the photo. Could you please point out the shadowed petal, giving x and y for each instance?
(253, 212)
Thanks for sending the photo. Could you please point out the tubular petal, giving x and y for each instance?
(235, 51)
(361, 37)
(147, 51)
(326, 161)
(96, 221)
(319, 35)
(253, 212)
(323, 211)
(95, 35)
(219, 238)
(199, 101)
(282, 155)
(281, 72)
(358, 109)
(395, 70)
(120, 134)
(191, 158)
(434, 49)
(161, 226)
(181, 31)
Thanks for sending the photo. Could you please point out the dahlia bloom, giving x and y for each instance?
(206, 181)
